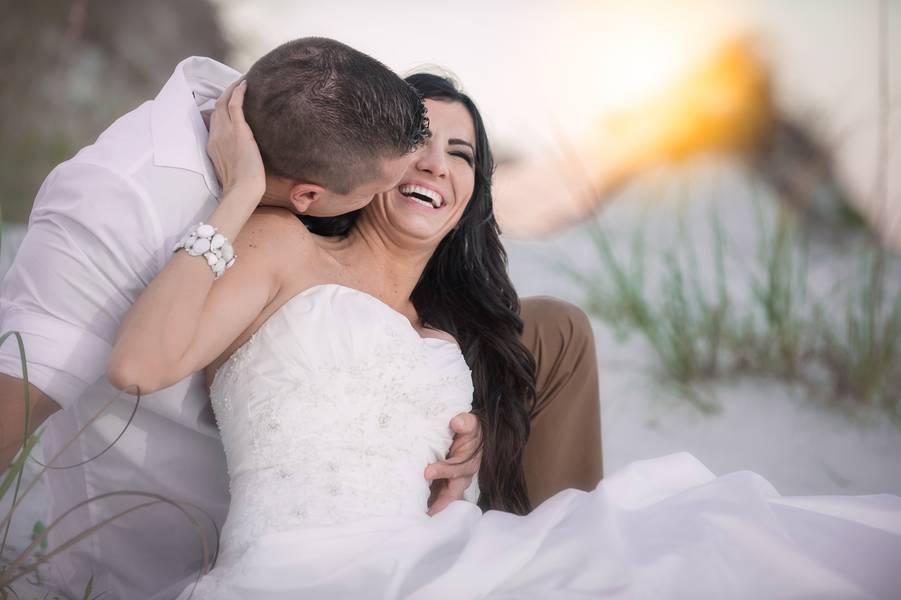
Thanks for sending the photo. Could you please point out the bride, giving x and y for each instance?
(336, 363)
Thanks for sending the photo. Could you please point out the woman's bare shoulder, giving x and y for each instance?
(437, 334)
(268, 237)
(274, 230)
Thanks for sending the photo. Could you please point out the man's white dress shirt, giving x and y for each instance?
(103, 225)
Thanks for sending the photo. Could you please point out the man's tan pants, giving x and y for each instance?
(564, 448)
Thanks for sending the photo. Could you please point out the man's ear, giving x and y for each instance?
(303, 195)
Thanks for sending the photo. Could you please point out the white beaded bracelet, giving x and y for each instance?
(204, 240)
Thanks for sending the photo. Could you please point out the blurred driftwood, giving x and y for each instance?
(71, 67)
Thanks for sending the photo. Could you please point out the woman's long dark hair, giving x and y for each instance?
(465, 291)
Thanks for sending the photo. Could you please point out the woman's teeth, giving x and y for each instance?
(424, 196)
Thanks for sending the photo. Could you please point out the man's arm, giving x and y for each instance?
(12, 415)
(66, 289)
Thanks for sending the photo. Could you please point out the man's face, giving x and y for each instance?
(331, 204)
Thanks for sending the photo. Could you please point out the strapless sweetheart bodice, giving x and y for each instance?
(331, 411)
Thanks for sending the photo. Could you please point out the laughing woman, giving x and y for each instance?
(336, 363)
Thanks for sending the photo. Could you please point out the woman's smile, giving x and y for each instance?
(423, 195)
(439, 183)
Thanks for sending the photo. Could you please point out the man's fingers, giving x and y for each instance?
(456, 487)
(451, 477)
(446, 470)
(451, 492)
(435, 491)
(463, 460)
(438, 505)
(467, 435)
(464, 449)
(465, 424)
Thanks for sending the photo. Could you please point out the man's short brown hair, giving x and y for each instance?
(325, 113)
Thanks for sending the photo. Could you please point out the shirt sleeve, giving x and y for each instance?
(92, 244)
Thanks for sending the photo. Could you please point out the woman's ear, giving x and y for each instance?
(303, 195)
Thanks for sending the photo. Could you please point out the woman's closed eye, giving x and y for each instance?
(465, 156)
(463, 149)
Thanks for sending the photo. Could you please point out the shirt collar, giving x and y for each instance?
(179, 134)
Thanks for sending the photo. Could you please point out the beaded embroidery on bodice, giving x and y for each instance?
(331, 412)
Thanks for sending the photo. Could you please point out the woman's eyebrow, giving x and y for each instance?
(459, 142)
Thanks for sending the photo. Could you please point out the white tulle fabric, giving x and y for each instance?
(331, 412)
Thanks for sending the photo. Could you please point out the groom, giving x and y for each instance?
(103, 225)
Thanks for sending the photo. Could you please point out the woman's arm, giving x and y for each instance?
(185, 317)
(184, 320)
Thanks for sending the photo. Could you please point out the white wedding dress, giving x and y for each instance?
(329, 415)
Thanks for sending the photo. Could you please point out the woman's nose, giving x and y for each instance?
(432, 159)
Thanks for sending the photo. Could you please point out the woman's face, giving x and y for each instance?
(434, 191)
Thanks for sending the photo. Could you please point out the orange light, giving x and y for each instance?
(722, 104)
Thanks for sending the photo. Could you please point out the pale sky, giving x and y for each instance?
(536, 67)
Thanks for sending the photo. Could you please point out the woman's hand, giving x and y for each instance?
(231, 146)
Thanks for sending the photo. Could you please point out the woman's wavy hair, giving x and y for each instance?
(465, 291)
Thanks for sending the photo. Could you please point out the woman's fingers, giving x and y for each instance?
(236, 103)
(232, 148)
(220, 119)
(224, 100)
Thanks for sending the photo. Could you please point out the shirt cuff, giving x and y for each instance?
(62, 359)
(471, 494)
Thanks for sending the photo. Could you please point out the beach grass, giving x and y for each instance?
(704, 320)
(26, 564)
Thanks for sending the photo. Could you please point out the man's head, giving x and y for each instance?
(334, 125)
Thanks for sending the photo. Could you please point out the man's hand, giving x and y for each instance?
(450, 477)
(12, 415)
